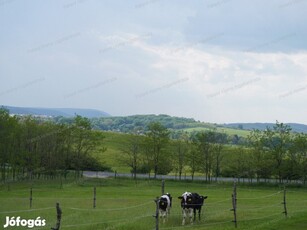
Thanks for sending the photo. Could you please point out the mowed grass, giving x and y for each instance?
(125, 204)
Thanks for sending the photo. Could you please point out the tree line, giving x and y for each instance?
(30, 148)
(33, 148)
(274, 153)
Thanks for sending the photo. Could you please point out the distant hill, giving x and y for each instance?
(299, 128)
(140, 122)
(55, 112)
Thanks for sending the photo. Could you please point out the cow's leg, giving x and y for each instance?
(183, 216)
(191, 210)
(163, 215)
(199, 212)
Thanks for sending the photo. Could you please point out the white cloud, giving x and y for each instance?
(240, 83)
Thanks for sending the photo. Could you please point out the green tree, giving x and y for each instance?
(278, 141)
(156, 140)
(7, 131)
(133, 153)
(85, 141)
(261, 159)
(298, 157)
(180, 152)
(193, 158)
(205, 145)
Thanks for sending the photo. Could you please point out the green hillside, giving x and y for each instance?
(228, 131)
(114, 142)
(139, 123)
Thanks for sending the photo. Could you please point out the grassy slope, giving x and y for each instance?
(122, 204)
(115, 143)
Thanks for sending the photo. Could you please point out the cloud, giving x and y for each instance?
(237, 79)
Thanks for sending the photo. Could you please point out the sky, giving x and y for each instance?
(218, 61)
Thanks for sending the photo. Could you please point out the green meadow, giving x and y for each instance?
(127, 204)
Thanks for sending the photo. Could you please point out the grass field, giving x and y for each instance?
(116, 142)
(124, 204)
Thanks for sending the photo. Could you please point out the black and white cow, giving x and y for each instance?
(165, 204)
(190, 202)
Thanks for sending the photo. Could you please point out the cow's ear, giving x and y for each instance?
(179, 197)
(205, 197)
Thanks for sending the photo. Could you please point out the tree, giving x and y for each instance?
(132, 151)
(156, 139)
(261, 159)
(7, 130)
(84, 141)
(238, 164)
(298, 156)
(278, 142)
(193, 158)
(205, 145)
(218, 157)
(180, 152)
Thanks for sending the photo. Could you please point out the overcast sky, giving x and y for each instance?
(216, 61)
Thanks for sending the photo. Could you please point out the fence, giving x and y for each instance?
(217, 212)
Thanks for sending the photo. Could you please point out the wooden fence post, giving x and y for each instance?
(285, 203)
(162, 187)
(59, 217)
(94, 199)
(31, 197)
(157, 213)
(234, 203)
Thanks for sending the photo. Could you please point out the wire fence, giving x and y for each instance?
(212, 210)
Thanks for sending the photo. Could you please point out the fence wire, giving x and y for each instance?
(261, 197)
(110, 209)
(131, 219)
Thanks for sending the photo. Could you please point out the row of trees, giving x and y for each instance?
(31, 148)
(156, 152)
(273, 153)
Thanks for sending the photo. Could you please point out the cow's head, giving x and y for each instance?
(163, 203)
(186, 199)
(202, 198)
